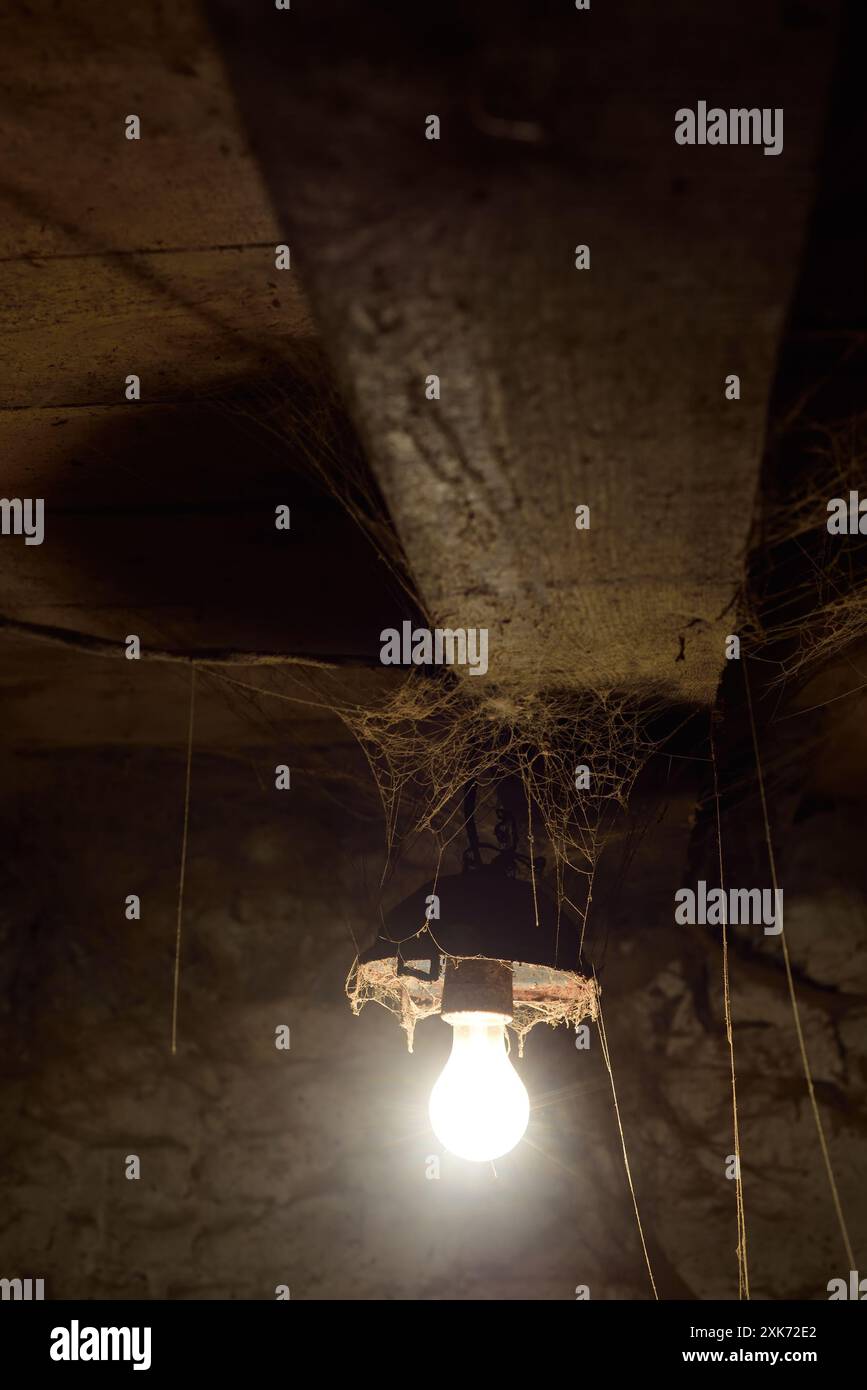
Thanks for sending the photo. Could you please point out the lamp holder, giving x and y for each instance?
(506, 856)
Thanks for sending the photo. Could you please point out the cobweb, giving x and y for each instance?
(540, 996)
(425, 738)
(570, 759)
(806, 597)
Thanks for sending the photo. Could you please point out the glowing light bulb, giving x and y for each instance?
(479, 1107)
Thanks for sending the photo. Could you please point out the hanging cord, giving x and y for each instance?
(743, 1270)
(183, 862)
(808, 1075)
(607, 1059)
(531, 846)
(472, 855)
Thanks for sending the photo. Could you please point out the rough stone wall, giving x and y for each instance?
(308, 1167)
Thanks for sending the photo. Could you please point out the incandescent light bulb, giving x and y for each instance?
(479, 1107)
